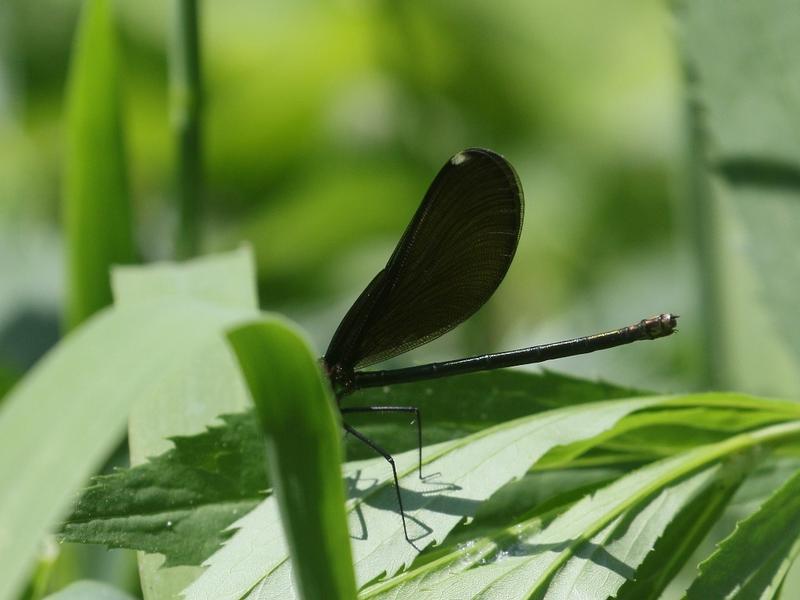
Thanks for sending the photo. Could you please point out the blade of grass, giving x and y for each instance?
(186, 98)
(303, 441)
(97, 214)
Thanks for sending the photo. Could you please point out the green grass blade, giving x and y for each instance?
(303, 438)
(97, 213)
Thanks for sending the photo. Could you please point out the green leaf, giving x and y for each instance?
(594, 547)
(684, 534)
(741, 59)
(599, 565)
(300, 422)
(456, 406)
(89, 590)
(467, 471)
(191, 389)
(195, 485)
(753, 561)
(179, 503)
(97, 213)
(148, 354)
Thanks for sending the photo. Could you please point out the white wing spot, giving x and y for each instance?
(459, 158)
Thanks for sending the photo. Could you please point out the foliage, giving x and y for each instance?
(297, 415)
(97, 215)
(82, 413)
(321, 127)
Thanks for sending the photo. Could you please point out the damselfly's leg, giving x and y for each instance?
(390, 460)
(395, 409)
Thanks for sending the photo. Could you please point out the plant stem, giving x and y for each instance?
(186, 106)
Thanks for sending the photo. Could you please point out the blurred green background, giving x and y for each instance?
(324, 125)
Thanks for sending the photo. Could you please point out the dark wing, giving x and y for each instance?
(450, 260)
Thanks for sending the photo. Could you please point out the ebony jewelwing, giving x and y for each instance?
(451, 258)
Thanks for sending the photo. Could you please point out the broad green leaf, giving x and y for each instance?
(753, 561)
(684, 534)
(742, 58)
(300, 422)
(209, 480)
(460, 475)
(89, 590)
(97, 214)
(195, 485)
(133, 353)
(188, 392)
(769, 475)
(456, 406)
(178, 503)
(542, 494)
(496, 545)
(595, 546)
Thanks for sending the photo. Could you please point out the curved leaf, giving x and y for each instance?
(302, 431)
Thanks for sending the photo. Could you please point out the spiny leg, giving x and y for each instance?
(395, 409)
(389, 458)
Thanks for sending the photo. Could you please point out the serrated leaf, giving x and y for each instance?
(179, 503)
(742, 59)
(211, 479)
(133, 352)
(476, 466)
(592, 548)
(194, 386)
(683, 535)
(753, 561)
(126, 508)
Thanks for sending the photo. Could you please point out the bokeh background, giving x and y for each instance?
(657, 147)
(324, 124)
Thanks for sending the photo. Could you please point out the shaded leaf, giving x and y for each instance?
(687, 529)
(179, 503)
(742, 58)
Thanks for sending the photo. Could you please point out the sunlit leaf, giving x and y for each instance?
(463, 472)
(302, 431)
(79, 396)
(753, 561)
(594, 547)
